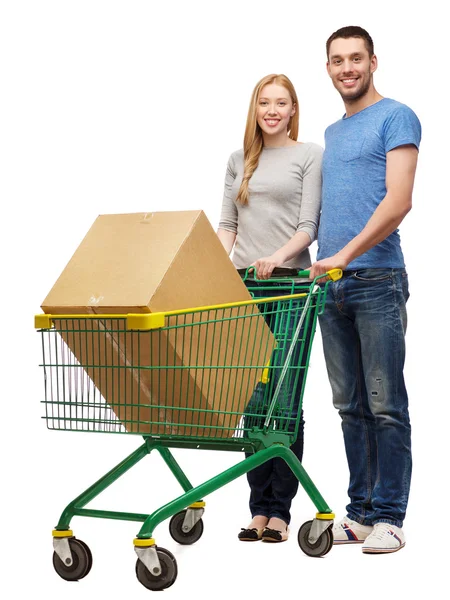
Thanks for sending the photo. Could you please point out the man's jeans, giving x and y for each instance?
(273, 485)
(363, 329)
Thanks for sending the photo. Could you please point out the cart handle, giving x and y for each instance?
(333, 274)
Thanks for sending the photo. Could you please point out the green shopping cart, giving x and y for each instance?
(183, 379)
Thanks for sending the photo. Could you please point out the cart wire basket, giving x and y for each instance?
(226, 377)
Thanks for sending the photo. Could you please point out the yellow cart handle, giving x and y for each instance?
(333, 274)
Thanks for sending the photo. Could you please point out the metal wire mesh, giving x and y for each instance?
(206, 374)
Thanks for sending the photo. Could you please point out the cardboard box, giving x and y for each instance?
(187, 380)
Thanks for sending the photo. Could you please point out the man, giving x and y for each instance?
(369, 166)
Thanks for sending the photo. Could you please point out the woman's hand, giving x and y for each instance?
(265, 265)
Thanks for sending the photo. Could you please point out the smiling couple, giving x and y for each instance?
(280, 196)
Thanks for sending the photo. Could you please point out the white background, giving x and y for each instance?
(110, 107)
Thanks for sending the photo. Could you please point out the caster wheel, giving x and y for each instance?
(81, 561)
(165, 579)
(184, 537)
(321, 547)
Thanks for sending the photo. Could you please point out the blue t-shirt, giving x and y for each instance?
(354, 178)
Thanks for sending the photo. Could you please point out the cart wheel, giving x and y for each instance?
(169, 572)
(184, 537)
(321, 547)
(81, 561)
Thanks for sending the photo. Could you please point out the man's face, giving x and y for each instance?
(350, 67)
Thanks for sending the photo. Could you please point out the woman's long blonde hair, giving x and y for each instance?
(253, 139)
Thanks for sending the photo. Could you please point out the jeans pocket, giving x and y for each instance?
(405, 286)
(373, 274)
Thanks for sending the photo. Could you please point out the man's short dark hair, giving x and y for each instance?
(350, 32)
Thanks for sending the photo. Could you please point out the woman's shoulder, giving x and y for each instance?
(237, 155)
(311, 148)
(309, 153)
(236, 162)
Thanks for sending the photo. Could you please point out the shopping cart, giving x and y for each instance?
(153, 375)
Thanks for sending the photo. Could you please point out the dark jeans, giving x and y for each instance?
(273, 485)
(363, 329)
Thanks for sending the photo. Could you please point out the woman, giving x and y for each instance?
(270, 215)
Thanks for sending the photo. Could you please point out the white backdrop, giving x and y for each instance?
(111, 107)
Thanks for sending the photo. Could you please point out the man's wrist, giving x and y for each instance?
(344, 258)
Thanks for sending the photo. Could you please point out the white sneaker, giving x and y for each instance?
(348, 531)
(384, 538)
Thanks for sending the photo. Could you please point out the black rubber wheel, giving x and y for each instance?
(81, 561)
(321, 547)
(167, 577)
(331, 539)
(180, 536)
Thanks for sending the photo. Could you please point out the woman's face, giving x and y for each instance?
(275, 109)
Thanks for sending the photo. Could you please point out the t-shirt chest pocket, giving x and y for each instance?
(351, 148)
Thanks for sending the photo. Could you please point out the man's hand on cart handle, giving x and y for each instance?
(327, 264)
(331, 275)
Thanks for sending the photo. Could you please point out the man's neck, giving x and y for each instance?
(355, 106)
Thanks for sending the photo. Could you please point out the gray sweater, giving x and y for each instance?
(285, 193)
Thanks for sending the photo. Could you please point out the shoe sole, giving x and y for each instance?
(382, 550)
(268, 540)
(344, 542)
(249, 539)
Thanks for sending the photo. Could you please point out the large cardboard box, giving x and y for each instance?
(194, 376)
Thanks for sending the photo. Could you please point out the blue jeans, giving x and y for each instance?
(363, 329)
(273, 485)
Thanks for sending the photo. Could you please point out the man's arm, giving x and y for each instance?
(400, 171)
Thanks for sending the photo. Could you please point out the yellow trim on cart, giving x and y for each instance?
(145, 321)
(265, 374)
(199, 504)
(141, 321)
(334, 274)
(46, 321)
(148, 321)
(233, 304)
(325, 516)
(144, 543)
(43, 322)
(62, 534)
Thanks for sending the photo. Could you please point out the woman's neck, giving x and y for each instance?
(278, 141)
